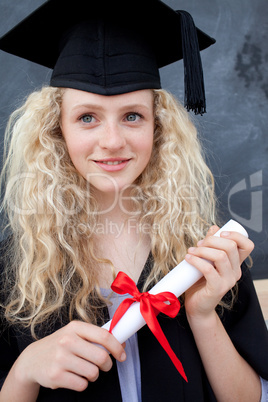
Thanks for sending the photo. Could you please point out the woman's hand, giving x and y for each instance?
(219, 260)
(68, 358)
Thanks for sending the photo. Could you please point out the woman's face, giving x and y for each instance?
(109, 138)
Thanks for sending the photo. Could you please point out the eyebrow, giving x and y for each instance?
(100, 107)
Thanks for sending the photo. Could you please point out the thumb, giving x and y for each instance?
(212, 230)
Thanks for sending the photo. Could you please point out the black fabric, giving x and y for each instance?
(107, 58)
(160, 380)
(104, 47)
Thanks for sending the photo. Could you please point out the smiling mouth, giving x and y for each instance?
(112, 163)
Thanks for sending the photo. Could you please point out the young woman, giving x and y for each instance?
(98, 184)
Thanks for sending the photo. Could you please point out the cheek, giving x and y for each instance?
(73, 151)
(77, 147)
(146, 145)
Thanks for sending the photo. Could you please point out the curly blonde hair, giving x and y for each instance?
(48, 203)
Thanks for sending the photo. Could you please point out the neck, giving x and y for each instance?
(118, 238)
(117, 208)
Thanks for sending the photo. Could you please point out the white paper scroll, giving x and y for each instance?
(177, 281)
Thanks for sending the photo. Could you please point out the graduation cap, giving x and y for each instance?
(112, 47)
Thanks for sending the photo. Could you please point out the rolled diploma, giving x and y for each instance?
(177, 281)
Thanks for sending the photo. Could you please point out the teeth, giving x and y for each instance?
(112, 163)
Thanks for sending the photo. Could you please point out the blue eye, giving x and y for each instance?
(133, 117)
(87, 118)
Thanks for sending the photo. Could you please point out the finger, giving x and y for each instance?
(58, 378)
(83, 368)
(223, 263)
(245, 245)
(219, 279)
(242, 243)
(101, 336)
(73, 382)
(94, 354)
(203, 265)
(212, 230)
(215, 286)
(227, 245)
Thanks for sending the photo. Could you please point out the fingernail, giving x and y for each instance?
(200, 242)
(225, 234)
(191, 249)
(188, 257)
(123, 356)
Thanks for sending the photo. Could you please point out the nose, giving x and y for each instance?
(113, 137)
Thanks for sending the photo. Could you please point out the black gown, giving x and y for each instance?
(160, 380)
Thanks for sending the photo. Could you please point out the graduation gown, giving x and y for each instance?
(160, 380)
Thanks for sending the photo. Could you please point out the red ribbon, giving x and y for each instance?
(150, 306)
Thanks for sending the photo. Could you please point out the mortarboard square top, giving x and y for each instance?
(109, 47)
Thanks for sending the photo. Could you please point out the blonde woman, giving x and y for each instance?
(98, 183)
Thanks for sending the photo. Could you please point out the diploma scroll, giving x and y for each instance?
(177, 281)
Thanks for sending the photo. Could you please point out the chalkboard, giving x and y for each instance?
(234, 130)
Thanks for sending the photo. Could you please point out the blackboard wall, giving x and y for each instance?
(234, 131)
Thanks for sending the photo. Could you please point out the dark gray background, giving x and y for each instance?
(233, 132)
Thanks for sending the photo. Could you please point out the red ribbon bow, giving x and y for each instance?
(150, 306)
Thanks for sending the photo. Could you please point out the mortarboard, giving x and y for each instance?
(112, 47)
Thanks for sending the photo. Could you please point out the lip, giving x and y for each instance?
(116, 164)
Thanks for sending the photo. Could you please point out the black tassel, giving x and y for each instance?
(193, 73)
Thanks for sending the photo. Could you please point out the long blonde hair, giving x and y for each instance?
(49, 205)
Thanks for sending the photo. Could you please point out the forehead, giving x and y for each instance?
(73, 98)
